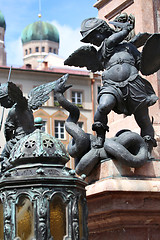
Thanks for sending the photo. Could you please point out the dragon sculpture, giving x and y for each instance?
(127, 147)
(116, 54)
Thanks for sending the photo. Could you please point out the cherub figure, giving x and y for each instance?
(124, 90)
(20, 120)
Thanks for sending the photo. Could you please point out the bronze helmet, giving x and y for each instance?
(89, 25)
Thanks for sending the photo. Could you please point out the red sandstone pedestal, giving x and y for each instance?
(123, 202)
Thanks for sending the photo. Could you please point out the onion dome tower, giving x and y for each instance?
(39, 39)
(2, 45)
(40, 198)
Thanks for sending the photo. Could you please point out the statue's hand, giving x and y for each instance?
(129, 26)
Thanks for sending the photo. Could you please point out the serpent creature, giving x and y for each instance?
(128, 147)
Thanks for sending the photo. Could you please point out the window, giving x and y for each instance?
(58, 221)
(45, 64)
(54, 50)
(59, 130)
(24, 218)
(26, 51)
(44, 126)
(37, 49)
(77, 98)
(30, 50)
(43, 49)
(28, 66)
(50, 49)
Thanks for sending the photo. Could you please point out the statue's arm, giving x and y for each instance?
(118, 37)
(137, 57)
(9, 126)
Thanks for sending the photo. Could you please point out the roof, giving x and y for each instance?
(55, 70)
(40, 31)
(2, 21)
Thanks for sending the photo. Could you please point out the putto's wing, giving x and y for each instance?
(40, 94)
(140, 39)
(85, 56)
(150, 57)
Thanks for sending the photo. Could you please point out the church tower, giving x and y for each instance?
(2, 45)
(39, 39)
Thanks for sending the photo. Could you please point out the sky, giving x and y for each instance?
(66, 15)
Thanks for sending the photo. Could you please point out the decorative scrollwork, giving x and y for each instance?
(40, 193)
(75, 215)
(42, 214)
(7, 220)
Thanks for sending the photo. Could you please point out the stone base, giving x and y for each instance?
(124, 203)
(114, 169)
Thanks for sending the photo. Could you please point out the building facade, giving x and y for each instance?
(2, 40)
(42, 64)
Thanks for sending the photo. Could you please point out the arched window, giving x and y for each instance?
(57, 218)
(37, 49)
(24, 219)
(50, 49)
(28, 66)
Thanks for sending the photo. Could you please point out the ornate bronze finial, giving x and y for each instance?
(38, 122)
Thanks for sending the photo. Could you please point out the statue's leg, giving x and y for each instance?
(147, 131)
(143, 120)
(5, 156)
(106, 104)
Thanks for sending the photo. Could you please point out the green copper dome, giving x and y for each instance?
(2, 21)
(40, 31)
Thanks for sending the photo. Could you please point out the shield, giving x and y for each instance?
(150, 58)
